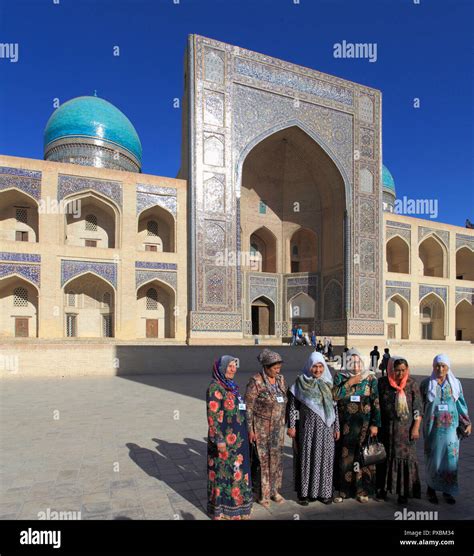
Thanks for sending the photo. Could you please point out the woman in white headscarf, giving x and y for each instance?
(314, 426)
(446, 420)
(356, 391)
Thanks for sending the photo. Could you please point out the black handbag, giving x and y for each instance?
(255, 470)
(372, 452)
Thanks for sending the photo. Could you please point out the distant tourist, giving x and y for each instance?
(319, 346)
(401, 410)
(356, 392)
(446, 420)
(313, 338)
(326, 346)
(330, 351)
(374, 359)
(383, 365)
(294, 332)
(314, 426)
(229, 486)
(266, 399)
(300, 335)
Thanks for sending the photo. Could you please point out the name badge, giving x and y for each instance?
(280, 399)
(443, 407)
(242, 406)
(355, 398)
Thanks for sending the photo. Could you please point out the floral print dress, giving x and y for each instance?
(441, 419)
(229, 487)
(355, 418)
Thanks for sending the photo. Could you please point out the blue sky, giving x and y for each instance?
(424, 51)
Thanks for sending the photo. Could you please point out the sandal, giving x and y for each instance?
(449, 499)
(278, 498)
(303, 501)
(362, 499)
(265, 503)
(338, 499)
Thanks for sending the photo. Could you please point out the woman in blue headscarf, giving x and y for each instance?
(446, 421)
(314, 425)
(229, 487)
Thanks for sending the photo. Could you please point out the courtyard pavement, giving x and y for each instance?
(134, 448)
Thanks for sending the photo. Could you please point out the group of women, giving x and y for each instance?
(330, 421)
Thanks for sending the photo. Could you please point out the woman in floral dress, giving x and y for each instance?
(229, 488)
(356, 392)
(401, 410)
(445, 420)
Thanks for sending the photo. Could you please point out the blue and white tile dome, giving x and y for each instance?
(90, 130)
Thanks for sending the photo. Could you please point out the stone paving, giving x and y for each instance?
(134, 448)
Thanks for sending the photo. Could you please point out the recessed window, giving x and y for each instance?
(20, 297)
(262, 208)
(107, 326)
(71, 299)
(91, 223)
(21, 236)
(151, 299)
(22, 215)
(152, 228)
(71, 326)
(91, 243)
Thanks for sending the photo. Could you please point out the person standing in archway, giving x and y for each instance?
(266, 400)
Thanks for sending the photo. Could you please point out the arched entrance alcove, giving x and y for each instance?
(397, 255)
(18, 308)
(263, 317)
(156, 230)
(89, 307)
(18, 216)
(433, 257)
(397, 318)
(465, 321)
(263, 250)
(294, 189)
(432, 318)
(465, 264)
(91, 221)
(155, 316)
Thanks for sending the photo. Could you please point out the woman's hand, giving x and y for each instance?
(468, 430)
(356, 379)
(291, 433)
(221, 446)
(337, 435)
(252, 437)
(373, 430)
(415, 433)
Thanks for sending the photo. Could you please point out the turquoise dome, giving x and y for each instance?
(387, 179)
(95, 118)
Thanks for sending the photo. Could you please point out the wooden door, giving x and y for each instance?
(21, 327)
(152, 328)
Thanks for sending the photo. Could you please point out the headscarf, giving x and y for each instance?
(453, 381)
(349, 371)
(268, 357)
(401, 405)
(316, 393)
(218, 373)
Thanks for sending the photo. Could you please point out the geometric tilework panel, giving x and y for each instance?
(69, 185)
(441, 291)
(30, 271)
(72, 268)
(27, 181)
(142, 276)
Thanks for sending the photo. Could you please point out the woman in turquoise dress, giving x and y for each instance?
(446, 419)
(229, 487)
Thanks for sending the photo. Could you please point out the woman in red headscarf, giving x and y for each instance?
(401, 411)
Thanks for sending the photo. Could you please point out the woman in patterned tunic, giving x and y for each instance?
(446, 419)
(401, 411)
(356, 392)
(229, 487)
(266, 408)
(313, 424)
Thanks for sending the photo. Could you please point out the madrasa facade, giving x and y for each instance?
(282, 214)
